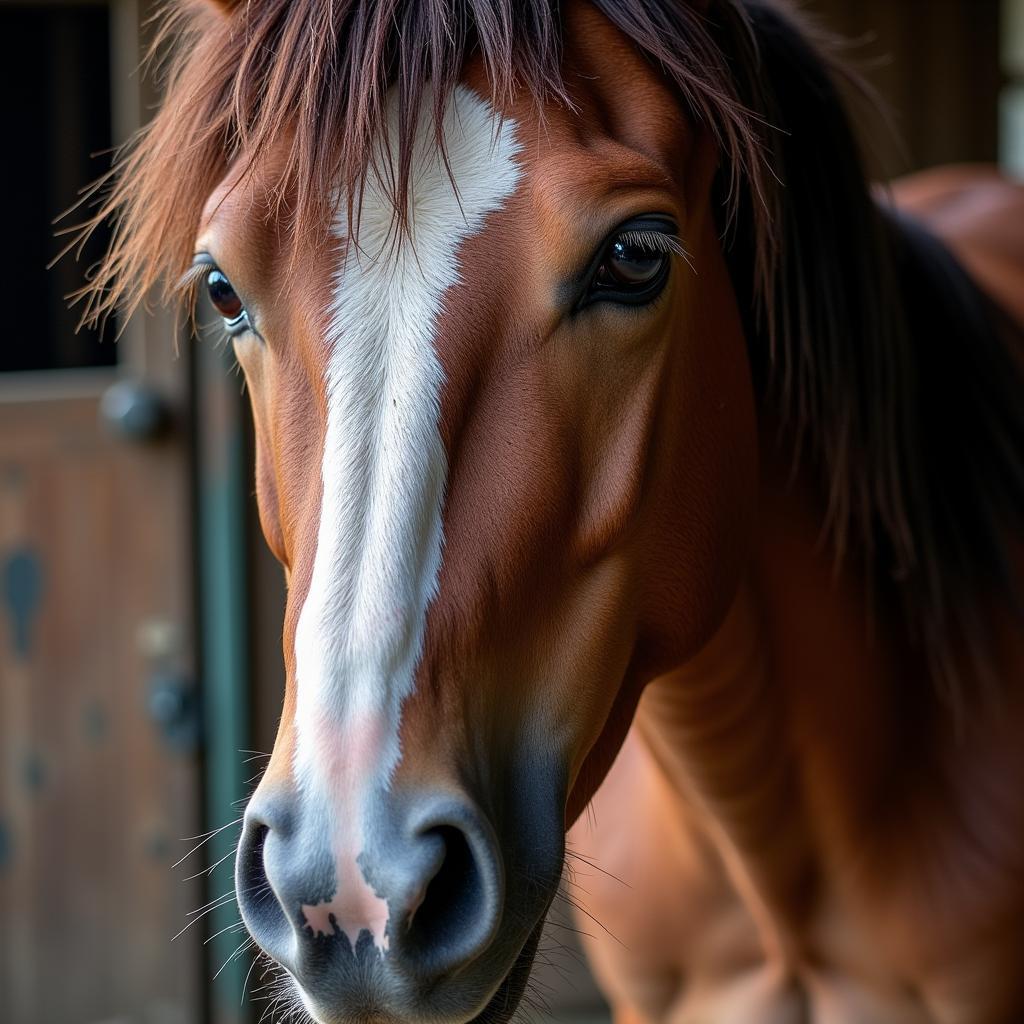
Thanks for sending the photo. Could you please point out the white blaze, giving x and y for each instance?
(360, 632)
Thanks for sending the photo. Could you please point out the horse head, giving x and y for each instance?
(504, 280)
(505, 451)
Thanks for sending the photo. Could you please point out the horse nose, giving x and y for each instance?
(421, 897)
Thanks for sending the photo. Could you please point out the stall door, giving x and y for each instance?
(98, 738)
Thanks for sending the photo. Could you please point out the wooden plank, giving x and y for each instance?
(93, 801)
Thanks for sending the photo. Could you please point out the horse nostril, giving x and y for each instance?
(261, 912)
(452, 894)
(455, 915)
(250, 872)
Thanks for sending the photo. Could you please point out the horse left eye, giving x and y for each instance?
(634, 264)
(630, 266)
(223, 296)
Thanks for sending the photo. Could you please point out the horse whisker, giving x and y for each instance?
(203, 841)
(213, 867)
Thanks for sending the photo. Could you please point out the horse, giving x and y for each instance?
(649, 490)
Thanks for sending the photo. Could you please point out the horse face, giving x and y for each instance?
(507, 461)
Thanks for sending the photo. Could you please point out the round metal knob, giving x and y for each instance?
(173, 705)
(167, 705)
(134, 411)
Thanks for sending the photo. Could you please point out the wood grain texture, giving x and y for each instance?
(94, 802)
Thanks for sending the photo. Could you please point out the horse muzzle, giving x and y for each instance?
(400, 915)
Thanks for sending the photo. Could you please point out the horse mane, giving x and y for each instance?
(872, 348)
(893, 376)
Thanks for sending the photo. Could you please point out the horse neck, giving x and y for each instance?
(786, 722)
(808, 741)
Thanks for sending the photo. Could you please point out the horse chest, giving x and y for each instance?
(683, 936)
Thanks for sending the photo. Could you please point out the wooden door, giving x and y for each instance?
(98, 745)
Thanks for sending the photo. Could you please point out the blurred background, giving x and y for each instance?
(140, 666)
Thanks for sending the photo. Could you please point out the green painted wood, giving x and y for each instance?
(222, 476)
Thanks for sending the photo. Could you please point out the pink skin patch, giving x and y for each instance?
(348, 762)
(355, 908)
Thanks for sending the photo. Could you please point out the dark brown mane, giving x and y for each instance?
(890, 371)
(862, 330)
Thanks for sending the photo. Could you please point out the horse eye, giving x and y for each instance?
(632, 270)
(223, 296)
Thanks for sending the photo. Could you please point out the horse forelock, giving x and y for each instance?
(319, 73)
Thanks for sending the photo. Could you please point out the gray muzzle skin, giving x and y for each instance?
(464, 909)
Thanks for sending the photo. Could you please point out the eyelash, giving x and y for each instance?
(656, 241)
